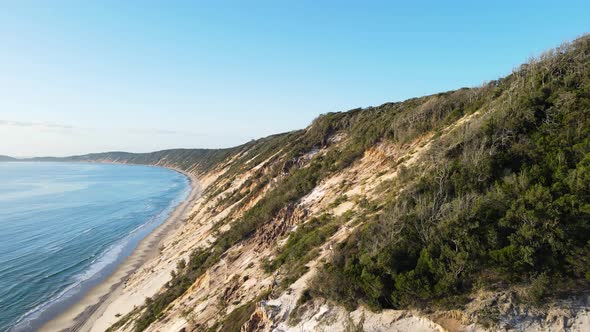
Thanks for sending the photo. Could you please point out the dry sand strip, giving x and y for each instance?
(82, 315)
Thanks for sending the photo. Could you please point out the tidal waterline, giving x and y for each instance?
(64, 227)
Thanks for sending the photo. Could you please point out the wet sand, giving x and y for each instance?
(82, 315)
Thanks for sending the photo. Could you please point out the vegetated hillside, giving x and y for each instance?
(198, 160)
(422, 204)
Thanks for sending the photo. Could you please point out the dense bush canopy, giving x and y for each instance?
(505, 200)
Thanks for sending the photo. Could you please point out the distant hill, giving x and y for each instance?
(190, 160)
(7, 158)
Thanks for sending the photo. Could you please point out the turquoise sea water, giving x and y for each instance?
(64, 227)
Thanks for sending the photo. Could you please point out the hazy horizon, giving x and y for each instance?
(88, 78)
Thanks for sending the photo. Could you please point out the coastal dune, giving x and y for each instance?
(296, 231)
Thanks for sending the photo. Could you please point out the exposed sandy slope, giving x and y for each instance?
(238, 277)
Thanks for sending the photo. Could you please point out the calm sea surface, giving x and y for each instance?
(64, 227)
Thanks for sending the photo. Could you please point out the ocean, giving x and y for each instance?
(65, 227)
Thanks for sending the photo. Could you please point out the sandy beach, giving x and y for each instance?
(83, 315)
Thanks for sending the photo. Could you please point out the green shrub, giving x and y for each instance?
(503, 200)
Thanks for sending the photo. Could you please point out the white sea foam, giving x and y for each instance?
(98, 268)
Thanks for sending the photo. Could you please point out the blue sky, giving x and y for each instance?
(91, 76)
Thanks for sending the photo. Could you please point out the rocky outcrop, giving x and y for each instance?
(259, 321)
(285, 220)
(504, 311)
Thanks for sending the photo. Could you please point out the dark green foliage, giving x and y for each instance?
(339, 200)
(240, 315)
(234, 321)
(538, 288)
(506, 201)
(302, 247)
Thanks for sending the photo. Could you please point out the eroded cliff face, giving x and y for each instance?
(239, 282)
(239, 277)
(273, 211)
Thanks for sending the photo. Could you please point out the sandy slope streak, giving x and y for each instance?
(238, 278)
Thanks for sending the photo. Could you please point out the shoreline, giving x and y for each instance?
(82, 315)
